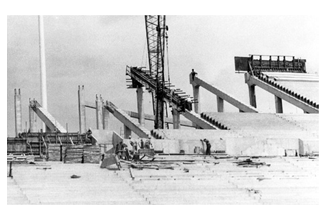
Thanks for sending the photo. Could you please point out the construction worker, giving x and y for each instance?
(125, 151)
(208, 151)
(148, 144)
(141, 143)
(134, 146)
(193, 74)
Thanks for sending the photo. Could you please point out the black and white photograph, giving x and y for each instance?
(137, 109)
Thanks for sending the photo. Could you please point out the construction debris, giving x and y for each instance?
(17, 158)
(75, 176)
(250, 163)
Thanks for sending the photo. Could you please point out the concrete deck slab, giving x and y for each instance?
(286, 181)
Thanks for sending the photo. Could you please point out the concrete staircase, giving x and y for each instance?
(265, 78)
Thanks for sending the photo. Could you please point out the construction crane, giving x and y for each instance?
(156, 34)
(154, 79)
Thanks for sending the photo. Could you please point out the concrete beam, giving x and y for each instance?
(90, 105)
(251, 80)
(47, 118)
(18, 113)
(127, 132)
(195, 81)
(152, 118)
(123, 117)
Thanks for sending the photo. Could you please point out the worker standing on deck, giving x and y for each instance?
(193, 74)
(148, 144)
(134, 146)
(125, 151)
(208, 151)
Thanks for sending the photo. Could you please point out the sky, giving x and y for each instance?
(94, 50)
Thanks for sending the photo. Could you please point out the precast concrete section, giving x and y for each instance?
(280, 92)
(220, 95)
(128, 122)
(47, 118)
(287, 181)
(148, 117)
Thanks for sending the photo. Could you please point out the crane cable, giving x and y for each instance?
(144, 54)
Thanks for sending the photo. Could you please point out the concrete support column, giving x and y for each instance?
(140, 105)
(105, 118)
(18, 113)
(82, 109)
(220, 104)
(176, 119)
(196, 96)
(32, 120)
(127, 132)
(252, 96)
(278, 105)
(99, 112)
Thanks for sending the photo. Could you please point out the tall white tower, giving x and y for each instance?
(42, 64)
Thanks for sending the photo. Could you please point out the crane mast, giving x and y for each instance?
(156, 33)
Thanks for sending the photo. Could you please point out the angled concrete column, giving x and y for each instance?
(32, 120)
(18, 113)
(220, 104)
(82, 109)
(99, 113)
(252, 96)
(176, 119)
(278, 105)
(140, 105)
(105, 118)
(127, 132)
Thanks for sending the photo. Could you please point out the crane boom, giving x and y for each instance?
(156, 31)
